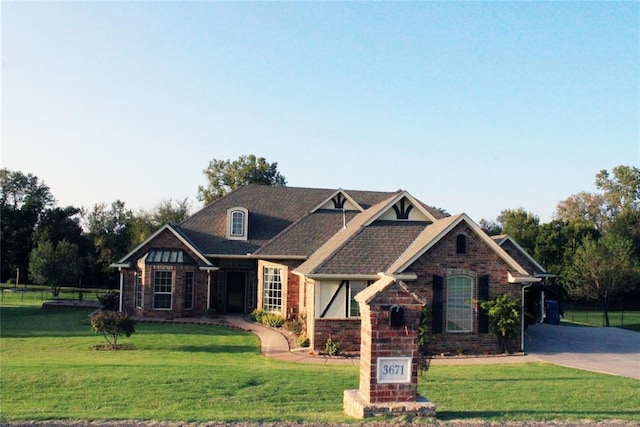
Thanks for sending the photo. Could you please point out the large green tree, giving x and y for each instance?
(520, 225)
(558, 240)
(145, 223)
(603, 269)
(54, 265)
(224, 176)
(23, 199)
(619, 193)
(108, 229)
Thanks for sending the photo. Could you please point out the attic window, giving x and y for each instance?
(461, 244)
(237, 223)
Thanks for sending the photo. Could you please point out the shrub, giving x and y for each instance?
(273, 320)
(504, 318)
(296, 326)
(332, 348)
(256, 315)
(302, 340)
(109, 301)
(112, 325)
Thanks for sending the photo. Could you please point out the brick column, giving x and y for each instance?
(388, 353)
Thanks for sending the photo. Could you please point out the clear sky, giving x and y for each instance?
(473, 107)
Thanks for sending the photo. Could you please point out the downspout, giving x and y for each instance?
(522, 318)
(121, 287)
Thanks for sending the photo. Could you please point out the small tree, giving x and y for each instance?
(504, 318)
(602, 270)
(54, 266)
(112, 325)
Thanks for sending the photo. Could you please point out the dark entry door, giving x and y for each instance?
(235, 291)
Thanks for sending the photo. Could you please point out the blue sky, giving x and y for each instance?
(473, 107)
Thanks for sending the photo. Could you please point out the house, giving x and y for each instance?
(308, 252)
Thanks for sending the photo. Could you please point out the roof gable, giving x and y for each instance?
(126, 260)
(369, 294)
(404, 207)
(503, 239)
(435, 232)
(339, 200)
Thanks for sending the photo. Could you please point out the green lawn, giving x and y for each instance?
(192, 373)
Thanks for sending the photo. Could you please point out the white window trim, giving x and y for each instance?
(162, 293)
(245, 222)
(263, 287)
(470, 309)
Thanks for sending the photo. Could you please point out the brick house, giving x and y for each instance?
(308, 252)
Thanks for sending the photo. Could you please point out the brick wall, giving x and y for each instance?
(347, 331)
(168, 240)
(480, 260)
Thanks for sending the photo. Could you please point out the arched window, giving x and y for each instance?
(461, 244)
(237, 223)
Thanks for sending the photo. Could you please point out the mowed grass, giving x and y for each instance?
(626, 320)
(191, 373)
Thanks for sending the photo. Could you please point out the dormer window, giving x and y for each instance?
(237, 219)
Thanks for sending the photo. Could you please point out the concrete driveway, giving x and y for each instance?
(609, 350)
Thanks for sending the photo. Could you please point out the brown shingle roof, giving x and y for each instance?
(373, 249)
(305, 236)
(271, 211)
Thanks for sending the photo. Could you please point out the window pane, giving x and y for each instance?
(459, 300)
(162, 292)
(272, 295)
(354, 307)
(188, 289)
(139, 289)
(237, 223)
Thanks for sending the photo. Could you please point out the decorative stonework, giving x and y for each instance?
(390, 316)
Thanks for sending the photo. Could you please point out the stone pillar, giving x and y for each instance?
(390, 316)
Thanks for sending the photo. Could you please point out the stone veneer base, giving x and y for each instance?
(355, 406)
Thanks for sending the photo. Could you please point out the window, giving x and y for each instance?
(189, 284)
(272, 294)
(139, 289)
(237, 223)
(459, 300)
(461, 244)
(162, 295)
(354, 306)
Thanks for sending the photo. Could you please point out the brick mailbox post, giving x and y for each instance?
(390, 316)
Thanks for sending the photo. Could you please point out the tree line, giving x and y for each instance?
(46, 244)
(592, 245)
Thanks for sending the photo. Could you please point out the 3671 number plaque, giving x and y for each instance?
(394, 370)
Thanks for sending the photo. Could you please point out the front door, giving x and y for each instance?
(235, 291)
